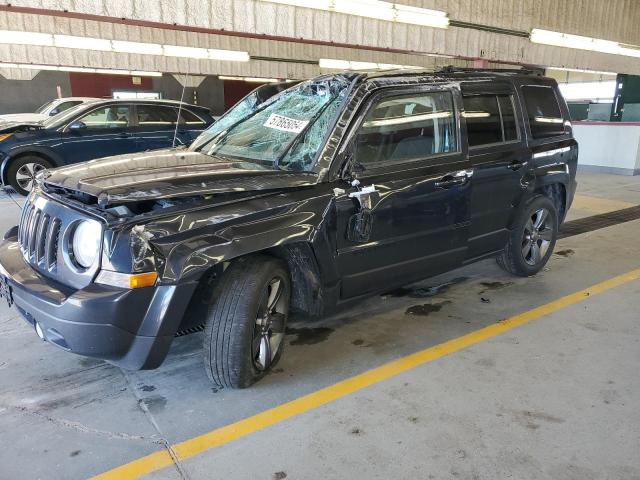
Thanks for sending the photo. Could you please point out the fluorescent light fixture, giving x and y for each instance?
(567, 40)
(334, 64)
(26, 38)
(589, 90)
(581, 70)
(106, 45)
(230, 55)
(136, 47)
(56, 68)
(140, 73)
(476, 114)
(249, 79)
(86, 43)
(388, 11)
(186, 52)
(407, 119)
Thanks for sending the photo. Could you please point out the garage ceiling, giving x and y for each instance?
(287, 41)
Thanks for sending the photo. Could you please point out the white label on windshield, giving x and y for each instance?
(285, 124)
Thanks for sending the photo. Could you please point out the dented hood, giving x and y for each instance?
(169, 173)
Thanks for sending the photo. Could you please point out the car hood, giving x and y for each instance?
(169, 173)
(11, 126)
(23, 117)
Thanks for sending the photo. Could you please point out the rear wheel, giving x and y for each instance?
(22, 172)
(532, 238)
(244, 334)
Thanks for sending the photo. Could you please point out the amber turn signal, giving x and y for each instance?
(127, 280)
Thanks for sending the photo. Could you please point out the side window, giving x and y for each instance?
(509, 125)
(67, 105)
(189, 118)
(405, 128)
(545, 117)
(490, 119)
(156, 115)
(483, 119)
(113, 116)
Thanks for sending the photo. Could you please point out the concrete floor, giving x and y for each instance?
(554, 399)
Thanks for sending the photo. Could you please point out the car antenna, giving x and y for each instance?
(175, 132)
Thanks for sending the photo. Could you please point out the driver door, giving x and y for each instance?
(417, 212)
(105, 131)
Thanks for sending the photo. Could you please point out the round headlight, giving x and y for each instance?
(86, 243)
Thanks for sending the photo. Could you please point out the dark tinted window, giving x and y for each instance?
(490, 119)
(509, 126)
(407, 128)
(156, 115)
(483, 119)
(543, 110)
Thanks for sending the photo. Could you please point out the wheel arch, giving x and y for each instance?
(37, 152)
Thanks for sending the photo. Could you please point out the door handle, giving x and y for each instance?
(124, 135)
(515, 165)
(454, 179)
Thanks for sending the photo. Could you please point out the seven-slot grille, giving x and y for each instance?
(39, 236)
(44, 235)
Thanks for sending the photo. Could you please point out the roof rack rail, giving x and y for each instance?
(513, 71)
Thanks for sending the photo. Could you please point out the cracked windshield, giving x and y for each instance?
(285, 132)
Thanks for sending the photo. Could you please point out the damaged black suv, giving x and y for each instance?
(339, 187)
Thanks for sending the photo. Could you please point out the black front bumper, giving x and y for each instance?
(132, 329)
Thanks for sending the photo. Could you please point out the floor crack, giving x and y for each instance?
(163, 441)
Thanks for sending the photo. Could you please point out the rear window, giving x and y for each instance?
(543, 109)
(490, 119)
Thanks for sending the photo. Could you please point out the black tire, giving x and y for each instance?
(23, 163)
(516, 257)
(230, 355)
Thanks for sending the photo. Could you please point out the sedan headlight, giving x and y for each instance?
(85, 244)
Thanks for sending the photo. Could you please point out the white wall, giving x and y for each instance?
(609, 148)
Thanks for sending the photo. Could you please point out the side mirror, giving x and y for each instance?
(53, 112)
(77, 125)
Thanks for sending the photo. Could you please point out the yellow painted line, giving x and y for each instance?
(598, 205)
(228, 433)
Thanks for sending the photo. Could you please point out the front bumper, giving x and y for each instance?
(132, 329)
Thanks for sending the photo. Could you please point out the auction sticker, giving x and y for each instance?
(285, 124)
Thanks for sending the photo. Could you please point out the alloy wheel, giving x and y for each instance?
(26, 175)
(537, 236)
(268, 332)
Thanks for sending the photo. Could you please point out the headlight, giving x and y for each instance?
(85, 244)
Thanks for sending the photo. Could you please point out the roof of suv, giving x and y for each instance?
(452, 72)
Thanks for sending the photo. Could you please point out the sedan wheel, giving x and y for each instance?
(26, 175)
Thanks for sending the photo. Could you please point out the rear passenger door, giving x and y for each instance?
(407, 148)
(500, 160)
(157, 126)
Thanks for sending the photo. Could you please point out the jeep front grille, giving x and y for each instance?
(38, 235)
(43, 236)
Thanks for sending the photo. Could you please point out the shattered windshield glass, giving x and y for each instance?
(285, 132)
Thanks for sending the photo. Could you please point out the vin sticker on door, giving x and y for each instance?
(285, 124)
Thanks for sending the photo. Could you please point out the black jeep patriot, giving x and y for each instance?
(340, 187)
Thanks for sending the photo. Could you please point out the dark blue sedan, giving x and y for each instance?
(95, 129)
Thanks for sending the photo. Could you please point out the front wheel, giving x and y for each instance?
(244, 333)
(22, 172)
(532, 238)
